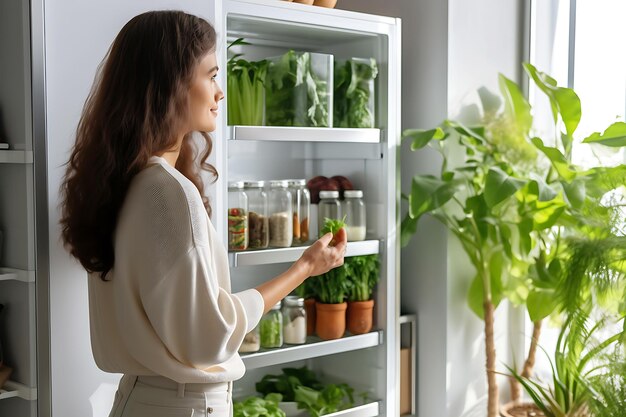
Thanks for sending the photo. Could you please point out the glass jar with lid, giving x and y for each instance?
(271, 328)
(301, 200)
(294, 320)
(237, 217)
(281, 214)
(354, 210)
(329, 207)
(258, 219)
(251, 342)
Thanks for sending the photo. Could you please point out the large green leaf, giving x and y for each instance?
(422, 137)
(563, 101)
(408, 227)
(429, 193)
(499, 186)
(558, 161)
(614, 135)
(547, 213)
(475, 295)
(575, 192)
(538, 187)
(569, 108)
(515, 104)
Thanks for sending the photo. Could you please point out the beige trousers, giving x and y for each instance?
(155, 396)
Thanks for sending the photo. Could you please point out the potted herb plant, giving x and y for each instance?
(331, 291)
(363, 273)
(509, 200)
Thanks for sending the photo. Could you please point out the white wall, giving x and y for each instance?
(450, 49)
(78, 34)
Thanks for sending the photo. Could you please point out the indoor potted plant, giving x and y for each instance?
(578, 365)
(505, 200)
(331, 290)
(363, 273)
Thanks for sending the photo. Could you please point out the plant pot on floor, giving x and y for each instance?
(309, 307)
(520, 410)
(330, 322)
(359, 316)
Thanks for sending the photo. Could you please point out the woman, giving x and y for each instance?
(161, 309)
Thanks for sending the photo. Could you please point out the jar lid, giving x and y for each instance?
(276, 306)
(235, 185)
(279, 183)
(329, 194)
(294, 300)
(353, 193)
(253, 184)
(300, 182)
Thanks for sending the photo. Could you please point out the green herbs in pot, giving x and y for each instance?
(245, 89)
(354, 93)
(363, 273)
(296, 94)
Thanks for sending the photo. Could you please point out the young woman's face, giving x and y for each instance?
(204, 96)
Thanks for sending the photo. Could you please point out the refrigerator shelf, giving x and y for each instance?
(281, 255)
(15, 389)
(305, 134)
(314, 348)
(16, 274)
(16, 157)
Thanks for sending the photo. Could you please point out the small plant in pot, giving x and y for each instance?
(331, 291)
(363, 273)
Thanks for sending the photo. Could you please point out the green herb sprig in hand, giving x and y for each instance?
(332, 226)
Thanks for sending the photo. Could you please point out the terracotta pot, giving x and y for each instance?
(303, 1)
(309, 307)
(520, 410)
(330, 322)
(359, 316)
(325, 3)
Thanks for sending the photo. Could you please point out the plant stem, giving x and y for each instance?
(529, 364)
(490, 351)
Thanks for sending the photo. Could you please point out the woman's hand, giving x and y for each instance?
(321, 257)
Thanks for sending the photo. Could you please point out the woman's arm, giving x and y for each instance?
(316, 260)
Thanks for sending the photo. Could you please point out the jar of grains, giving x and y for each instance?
(281, 215)
(258, 219)
(294, 320)
(237, 217)
(271, 328)
(301, 200)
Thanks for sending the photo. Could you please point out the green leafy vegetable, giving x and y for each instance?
(332, 226)
(270, 329)
(363, 273)
(301, 385)
(245, 89)
(259, 407)
(295, 94)
(354, 93)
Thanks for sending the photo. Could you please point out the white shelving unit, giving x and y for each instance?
(16, 157)
(14, 389)
(7, 274)
(366, 156)
(281, 255)
(314, 348)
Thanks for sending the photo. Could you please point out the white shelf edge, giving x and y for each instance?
(15, 389)
(7, 274)
(281, 255)
(311, 350)
(16, 157)
(305, 134)
(407, 318)
(365, 410)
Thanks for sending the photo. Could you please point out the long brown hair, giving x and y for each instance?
(133, 111)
